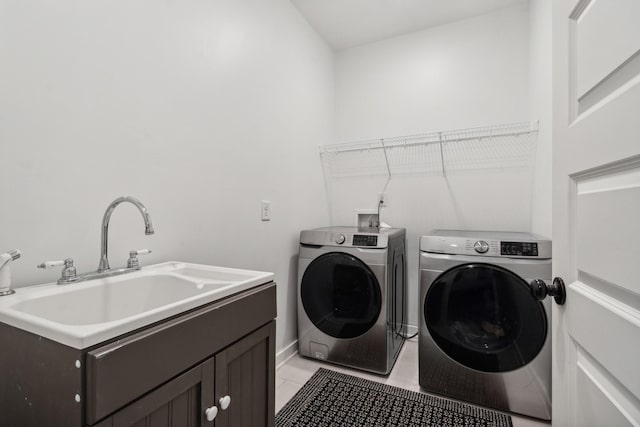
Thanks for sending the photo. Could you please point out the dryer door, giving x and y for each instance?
(484, 317)
(340, 295)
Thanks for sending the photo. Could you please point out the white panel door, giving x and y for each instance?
(596, 212)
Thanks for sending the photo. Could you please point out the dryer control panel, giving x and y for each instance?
(484, 245)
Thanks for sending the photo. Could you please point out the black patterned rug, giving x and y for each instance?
(333, 399)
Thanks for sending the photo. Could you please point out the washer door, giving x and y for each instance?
(484, 317)
(340, 295)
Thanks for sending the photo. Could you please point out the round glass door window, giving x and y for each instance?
(484, 317)
(341, 295)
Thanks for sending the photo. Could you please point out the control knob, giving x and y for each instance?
(481, 246)
(340, 239)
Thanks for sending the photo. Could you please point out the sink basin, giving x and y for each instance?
(100, 304)
(87, 313)
(212, 276)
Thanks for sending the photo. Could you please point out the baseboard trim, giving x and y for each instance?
(286, 353)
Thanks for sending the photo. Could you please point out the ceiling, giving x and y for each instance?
(349, 23)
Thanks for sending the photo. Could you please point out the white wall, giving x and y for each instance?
(200, 109)
(540, 105)
(465, 74)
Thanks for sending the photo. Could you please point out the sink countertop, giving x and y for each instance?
(83, 314)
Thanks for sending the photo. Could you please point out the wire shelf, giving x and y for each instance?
(492, 147)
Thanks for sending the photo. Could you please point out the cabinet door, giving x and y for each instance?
(179, 403)
(245, 373)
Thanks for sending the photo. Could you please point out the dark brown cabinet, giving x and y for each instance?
(220, 357)
(242, 375)
(234, 388)
(179, 403)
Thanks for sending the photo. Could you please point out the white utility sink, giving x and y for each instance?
(86, 313)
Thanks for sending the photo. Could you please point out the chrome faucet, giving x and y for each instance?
(104, 246)
(69, 274)
(5, 275)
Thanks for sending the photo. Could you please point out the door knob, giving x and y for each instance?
(540, 290)
(211, 413)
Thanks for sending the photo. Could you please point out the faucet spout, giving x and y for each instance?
(104, 245)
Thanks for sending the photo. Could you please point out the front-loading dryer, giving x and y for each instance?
(352, 296)
(483, 337)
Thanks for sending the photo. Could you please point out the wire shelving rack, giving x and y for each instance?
(492, 147)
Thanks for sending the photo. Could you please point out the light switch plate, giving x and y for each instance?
(265, 214)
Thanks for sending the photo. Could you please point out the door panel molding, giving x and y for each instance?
(621, 79)
(620, 405)
(609, 194)
(624, 178)
(621, 166)
(622, 296)
(598, 52)
(602, 65)
(598, 322)
(611, 252)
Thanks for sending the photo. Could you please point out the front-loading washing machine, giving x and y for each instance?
(483, 337)
(352, 296)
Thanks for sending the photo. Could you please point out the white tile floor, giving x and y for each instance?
(292, 375)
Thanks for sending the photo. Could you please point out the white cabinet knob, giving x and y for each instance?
(211, 413)
(225, 402)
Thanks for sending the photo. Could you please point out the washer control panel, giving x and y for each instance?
(481, 246)
(348, 237)
(519, 248)
(365, 240)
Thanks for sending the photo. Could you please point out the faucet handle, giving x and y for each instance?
(132, 262)
(5, 276)
(11, 255)
(68, 272)
(14, 254)
(51, 264)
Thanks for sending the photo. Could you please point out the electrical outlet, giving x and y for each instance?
(383, 200)
(265, 214)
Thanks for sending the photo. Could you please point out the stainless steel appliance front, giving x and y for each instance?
(483, 338)
(352, 296)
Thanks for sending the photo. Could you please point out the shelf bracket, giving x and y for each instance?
(441, 154)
